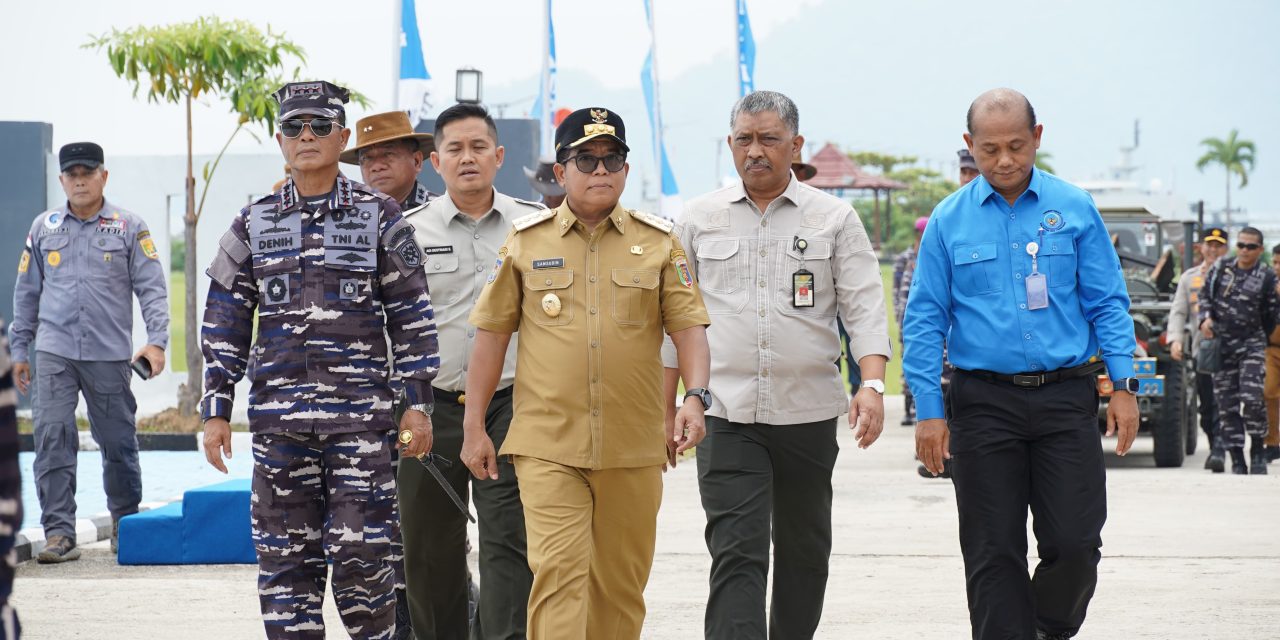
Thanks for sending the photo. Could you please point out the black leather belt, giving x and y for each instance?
(460, 397)
(1035, 380)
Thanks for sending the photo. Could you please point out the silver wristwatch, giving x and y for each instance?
(426, 407)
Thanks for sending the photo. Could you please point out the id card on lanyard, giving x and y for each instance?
(1037, 289)
(802, 281)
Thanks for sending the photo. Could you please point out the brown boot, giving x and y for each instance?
(58, 549)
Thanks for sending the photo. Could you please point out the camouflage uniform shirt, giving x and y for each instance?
(1237, 299)
(326, 277)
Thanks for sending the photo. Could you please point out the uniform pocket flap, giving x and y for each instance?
(972, 253)
(544, 280)
(108, 242)
(717, 249)
(635, 278)
(269, 265)
(1063, 247)
(440, 263)
(51, 242)
(815, 250)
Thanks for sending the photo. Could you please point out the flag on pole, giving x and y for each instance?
(746, 52)
(544, 108)
(669, 206)
(415, 86)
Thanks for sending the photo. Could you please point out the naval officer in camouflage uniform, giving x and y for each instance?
(83, 263)
(1239, 305)
(460, 233)
(591, 287)
(332, 270)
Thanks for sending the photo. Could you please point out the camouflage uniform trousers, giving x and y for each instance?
(1237, 387)
(318, 497)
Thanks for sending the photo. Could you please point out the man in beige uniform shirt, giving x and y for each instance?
(591, 287)
(778, 261)
(460, 233)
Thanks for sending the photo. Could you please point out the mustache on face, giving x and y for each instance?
(759, 162)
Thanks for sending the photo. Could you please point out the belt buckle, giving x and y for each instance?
(1028, 381)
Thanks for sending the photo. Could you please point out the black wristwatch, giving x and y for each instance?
(701, 394)
(1126, 384)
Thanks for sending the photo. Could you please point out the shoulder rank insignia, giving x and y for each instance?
(657, 222)
(414, 210)
(526, 221)
(536, 205)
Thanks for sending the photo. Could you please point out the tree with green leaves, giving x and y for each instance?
(178, 64)
(1233, 154)
(1042, 162)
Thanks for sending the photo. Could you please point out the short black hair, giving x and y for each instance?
(1031, 115)
(462, 111)
(1276, 249)
(1251, 231)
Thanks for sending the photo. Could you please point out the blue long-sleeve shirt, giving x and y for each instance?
(969, 288)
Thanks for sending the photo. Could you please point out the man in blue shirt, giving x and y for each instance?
(1017, 275)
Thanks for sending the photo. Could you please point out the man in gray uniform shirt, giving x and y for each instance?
(82, 265)
(460, 234)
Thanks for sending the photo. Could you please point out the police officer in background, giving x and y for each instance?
(1186, 310)
(1239, 305)
(779, 262)
(460, 233)
(591, 287)
(390, 154)
(332, 271)
(82, 265)
(1020, 259)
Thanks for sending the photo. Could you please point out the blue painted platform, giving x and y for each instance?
(209, 526)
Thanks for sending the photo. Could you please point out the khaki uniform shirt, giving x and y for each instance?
(772, 361)
(591, 308)
(457, 254)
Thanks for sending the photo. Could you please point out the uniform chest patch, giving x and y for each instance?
(410, 253)
(1053, 221)
(276, 289)
(431, 251)
(548, 263)
(115, 227)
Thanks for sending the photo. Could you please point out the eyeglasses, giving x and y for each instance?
(1251, 246)
(321, 127)
(587, 163)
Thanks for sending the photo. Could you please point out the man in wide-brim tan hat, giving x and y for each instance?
(803, 170)
(390, 154)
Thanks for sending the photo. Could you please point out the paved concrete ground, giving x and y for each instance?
(1188, 555)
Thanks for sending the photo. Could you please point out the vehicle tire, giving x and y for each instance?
(1170, 430)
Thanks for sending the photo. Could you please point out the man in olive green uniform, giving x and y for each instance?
(591, 287)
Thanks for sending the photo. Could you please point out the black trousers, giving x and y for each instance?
(760, 481)
(1014, 448)
(435, 537)
(1208, 407)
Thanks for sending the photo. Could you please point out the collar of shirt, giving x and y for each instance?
(100, 213)
(449, 210)
(566, 219)
(418, 195)
(738, 193)
(339, 197)
(984, 189)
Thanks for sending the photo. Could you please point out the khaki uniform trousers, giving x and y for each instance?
(1271, 393)
(591, 536)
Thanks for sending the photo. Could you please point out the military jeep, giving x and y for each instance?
(1149, 249)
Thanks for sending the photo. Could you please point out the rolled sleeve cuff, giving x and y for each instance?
(19, 354)
(418, 392)
(215, 407)
(876, 344)
(929, 407)
(159, 339)
(1119, 367)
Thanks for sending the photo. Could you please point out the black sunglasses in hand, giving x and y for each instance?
(321, 127)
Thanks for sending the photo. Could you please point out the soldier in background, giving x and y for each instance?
(332, 270)
(83, 264)
(543, 180)
(1239, 306)
(1186, 305)
(390, 154)
(10, 491)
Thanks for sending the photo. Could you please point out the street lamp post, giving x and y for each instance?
(469, 86)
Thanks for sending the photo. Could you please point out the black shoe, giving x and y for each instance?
(1258, 462)
(1216, 461)
(1044, 635)
(925, 473)
(1273, 454)
(907, 421)
(58, 549)
(1238, 466)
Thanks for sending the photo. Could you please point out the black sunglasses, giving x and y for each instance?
(321, 127)
(1251, 246)
(587, 163)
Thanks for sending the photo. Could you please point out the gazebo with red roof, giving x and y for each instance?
(837, 173)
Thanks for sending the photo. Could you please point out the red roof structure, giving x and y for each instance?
(837, 172)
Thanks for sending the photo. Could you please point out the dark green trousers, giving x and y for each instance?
(759, 483)
(435, 537)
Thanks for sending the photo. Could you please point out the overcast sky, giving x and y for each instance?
(868, 74)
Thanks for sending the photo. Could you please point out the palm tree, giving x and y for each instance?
(1233, 154)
